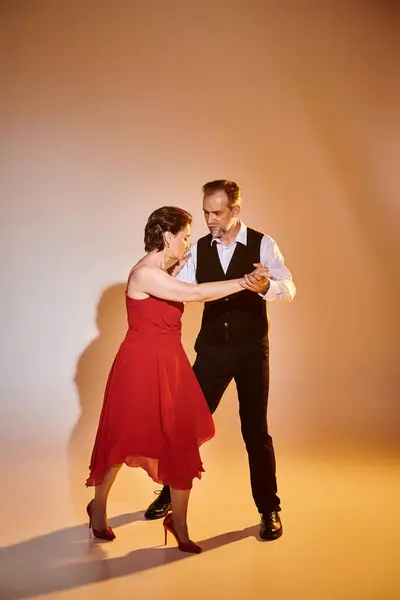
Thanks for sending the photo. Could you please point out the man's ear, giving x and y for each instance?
(236, 210)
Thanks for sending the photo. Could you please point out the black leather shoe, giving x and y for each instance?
(161, 505)
(271, 526)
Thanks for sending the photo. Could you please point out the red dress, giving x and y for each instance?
(154, 413)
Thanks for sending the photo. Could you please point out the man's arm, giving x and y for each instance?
(281, 286)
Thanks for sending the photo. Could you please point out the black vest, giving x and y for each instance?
(237, 319)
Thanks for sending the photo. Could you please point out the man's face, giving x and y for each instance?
(219, 217)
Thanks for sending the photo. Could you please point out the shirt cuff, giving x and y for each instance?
(272, 292)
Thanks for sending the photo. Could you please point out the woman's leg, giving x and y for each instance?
(99, 505)
(180, 500)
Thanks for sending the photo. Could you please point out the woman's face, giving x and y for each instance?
(179, 243)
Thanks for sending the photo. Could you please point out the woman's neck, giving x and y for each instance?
(159, 259)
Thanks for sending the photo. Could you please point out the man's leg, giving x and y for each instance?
(252, 381)
(214, 372)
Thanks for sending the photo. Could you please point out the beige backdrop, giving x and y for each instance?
(111, 109)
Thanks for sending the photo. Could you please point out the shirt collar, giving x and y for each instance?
(241, 236)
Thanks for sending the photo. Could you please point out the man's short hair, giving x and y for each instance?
(231, 189)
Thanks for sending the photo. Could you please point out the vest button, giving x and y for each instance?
(226, 324)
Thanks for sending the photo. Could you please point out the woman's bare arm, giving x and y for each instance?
(156, 282)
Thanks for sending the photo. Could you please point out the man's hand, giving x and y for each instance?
(258, 280)
(177, 267)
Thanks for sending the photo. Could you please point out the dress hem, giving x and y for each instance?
(150, 465)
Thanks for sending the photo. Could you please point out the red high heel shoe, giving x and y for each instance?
(184, 547)
(102, 534)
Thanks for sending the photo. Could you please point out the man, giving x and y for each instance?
(233, 339)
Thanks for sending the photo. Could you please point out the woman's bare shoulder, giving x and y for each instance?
(143, 269)
(141, 263)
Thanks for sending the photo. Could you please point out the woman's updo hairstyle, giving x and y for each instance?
(167, 218)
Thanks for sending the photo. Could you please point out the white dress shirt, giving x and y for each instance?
(281, 282)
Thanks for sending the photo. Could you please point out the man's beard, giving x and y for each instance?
(220, 231)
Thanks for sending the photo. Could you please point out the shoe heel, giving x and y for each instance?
(165, 536)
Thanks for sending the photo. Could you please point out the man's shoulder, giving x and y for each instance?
(266, 239)
(254, 237)
(254, 230)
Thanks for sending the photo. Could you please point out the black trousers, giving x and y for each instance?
(215, 367)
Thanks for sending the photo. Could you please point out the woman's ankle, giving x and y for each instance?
(181, 528)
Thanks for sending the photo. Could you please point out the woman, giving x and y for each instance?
(154, 414)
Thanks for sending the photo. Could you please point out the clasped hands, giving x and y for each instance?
(258, 280)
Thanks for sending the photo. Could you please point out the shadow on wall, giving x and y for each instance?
(90, 379)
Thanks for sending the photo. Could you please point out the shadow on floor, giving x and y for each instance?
(65, 559)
